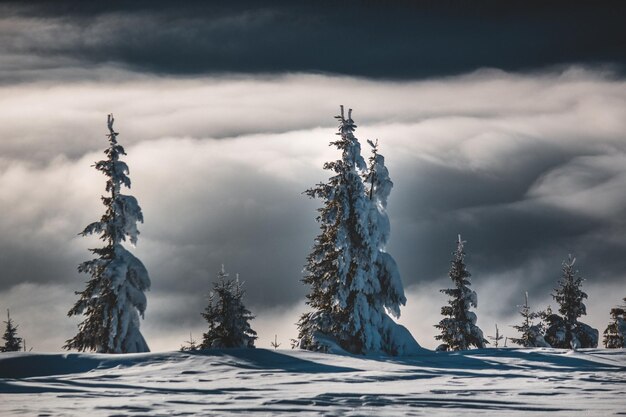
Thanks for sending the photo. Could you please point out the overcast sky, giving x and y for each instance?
(505, 125)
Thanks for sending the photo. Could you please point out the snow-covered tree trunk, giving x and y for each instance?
(458, 327)
(114, 298)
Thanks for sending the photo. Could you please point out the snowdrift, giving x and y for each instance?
(492, 382)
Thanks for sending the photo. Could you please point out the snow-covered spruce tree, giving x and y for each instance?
(458, 327)
(378, 188)
(339, 253)
(566, 331)
(228, 318)
(12, 343)
(114, 296)
(352, 280)
(396, 339)
(615, 333)
(531, 333)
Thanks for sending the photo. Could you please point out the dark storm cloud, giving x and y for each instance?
(401, 39)
(505, 228)
(516, 219)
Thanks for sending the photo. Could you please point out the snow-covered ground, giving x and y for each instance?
(488, 382)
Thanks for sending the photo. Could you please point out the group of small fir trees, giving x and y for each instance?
(548, 329)
(458, 329)
(355, 284)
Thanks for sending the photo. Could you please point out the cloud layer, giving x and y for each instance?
(528, 167)
(399, 40)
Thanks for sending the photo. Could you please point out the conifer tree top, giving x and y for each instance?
(123, 212)
(458, 271)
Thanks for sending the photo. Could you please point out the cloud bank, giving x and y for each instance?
(527, 167)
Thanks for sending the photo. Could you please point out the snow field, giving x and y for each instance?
(486, 382)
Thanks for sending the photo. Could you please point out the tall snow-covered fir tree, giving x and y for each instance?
(531, 333)
(378, 188)
(114, 296)
(615, 332)
(228, 318)
(337, 263)
(566, 331)
(396, 340)
(351, 277)
(12, 343)
(458, 327)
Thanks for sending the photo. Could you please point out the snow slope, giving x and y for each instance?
(487, 382)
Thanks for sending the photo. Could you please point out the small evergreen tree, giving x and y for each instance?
(114, 297)
(458, 327)
(227, 317)
(497, 337)
(275, 344)
(190, 345)
(524, 328)
(531, 333)
(566, 331)
(615, 333)
(12, 343)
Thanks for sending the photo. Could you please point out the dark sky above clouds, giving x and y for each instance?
(505, 124)
(384, 39)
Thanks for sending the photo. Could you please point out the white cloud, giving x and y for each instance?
(600, 179)
(219, 163)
